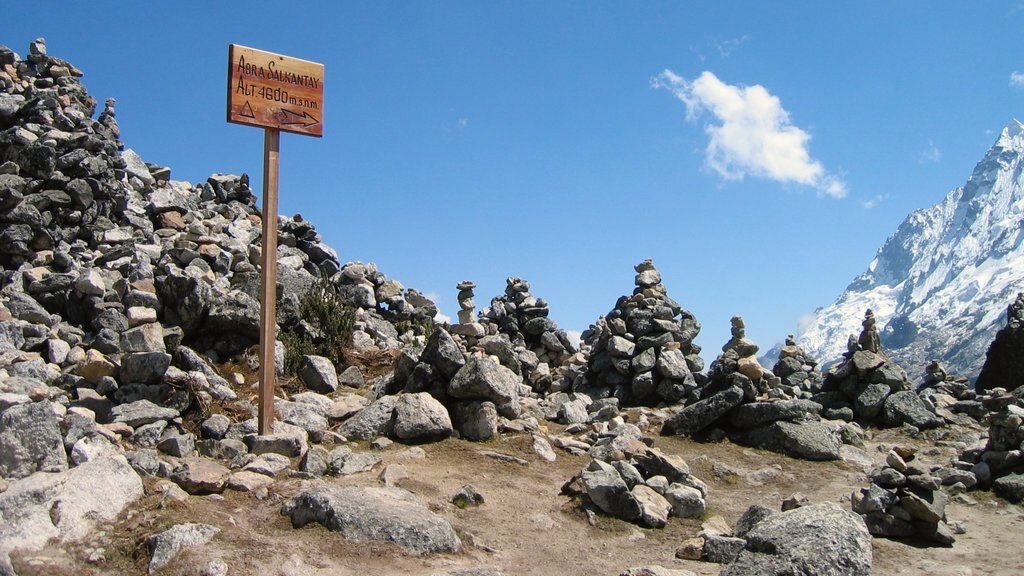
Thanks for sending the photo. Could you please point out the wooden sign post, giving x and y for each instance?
(276, 93)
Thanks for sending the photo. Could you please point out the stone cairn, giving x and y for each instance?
(746, 402)
(542, 348)
(905, 501)
(642, 352)
(869, 388)
(630, 480)
(796, 369)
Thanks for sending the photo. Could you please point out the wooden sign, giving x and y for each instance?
(273, 91)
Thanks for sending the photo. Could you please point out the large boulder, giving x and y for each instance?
(696, 417)
(419, 416)
(817, 540)
(30, 440)
(807, 440)
(484, 379)
(907, 407)
(374, 514)
(66, 506)
(609, 491)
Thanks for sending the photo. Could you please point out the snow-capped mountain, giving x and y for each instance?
(941, 284)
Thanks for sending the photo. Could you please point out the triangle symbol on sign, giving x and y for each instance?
(246, 111)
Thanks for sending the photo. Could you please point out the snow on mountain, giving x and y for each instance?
(940, 285)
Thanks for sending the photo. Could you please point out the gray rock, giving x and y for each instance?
(816, 540)
(215, 427)
(307, 416)
(654, 462)
(477, 421)
(696, 417)
(318, 374)
(749, 519)
(485, 379)
(924, 505)
(869, 403)
(609, 492)
(351, 377)
(687, 501)
(144, 338)
(66, 506)
(374, 514)
(285, 439)
(654, 507)
(805, 440)
(756, 414)
(372, 421)
(144, 367)
(200, 476)
(141, 412)
(30, 441)
(178, 445)
(1010, 487)
(164, 547)
(906, 407)
(672, 364)
(442, 352)
(420, 416)
(722, 549)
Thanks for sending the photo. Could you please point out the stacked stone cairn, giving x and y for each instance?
(797, 370)
(905, 501)
(642, 352)
(746, 402)
(544, 351)
(633, 481)
(871, 389)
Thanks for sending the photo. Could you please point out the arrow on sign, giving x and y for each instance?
(290, 118)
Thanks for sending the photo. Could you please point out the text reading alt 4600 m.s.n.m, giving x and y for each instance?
(274, 91)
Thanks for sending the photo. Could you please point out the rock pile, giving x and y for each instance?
(642, 352)
(120, 291)
(630, 480)
(1004, 361)
(543, 349)
(904, 501)
(796, 369)
(999, 464)
(869, 388)
(473, 388)
(741, 399)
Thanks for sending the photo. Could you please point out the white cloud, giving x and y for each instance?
(1016, 79)
(440, 316)
(727, 47)
(575, 337)
(462, 123)
(753, 134)
(878, 199)
(931, 153)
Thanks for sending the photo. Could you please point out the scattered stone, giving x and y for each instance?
(163, 547)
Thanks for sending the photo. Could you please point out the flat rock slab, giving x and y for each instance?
(699, 416)
(817, 540)
(164, 547)
(805, 440)
(66, 505)
(375, 513)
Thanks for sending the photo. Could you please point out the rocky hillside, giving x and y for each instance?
(940, 284)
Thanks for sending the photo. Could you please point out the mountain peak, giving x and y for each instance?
(940, 283)
(1011, 136)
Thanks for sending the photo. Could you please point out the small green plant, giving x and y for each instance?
(333, 321)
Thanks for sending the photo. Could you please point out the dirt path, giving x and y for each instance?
(525, 526)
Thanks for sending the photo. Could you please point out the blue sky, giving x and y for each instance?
(759, 152)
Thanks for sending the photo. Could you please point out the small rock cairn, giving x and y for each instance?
(642, 352)
(869, 388)
(797, 370)
(904, 501)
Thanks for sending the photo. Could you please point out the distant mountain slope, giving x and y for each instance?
(940, 285)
